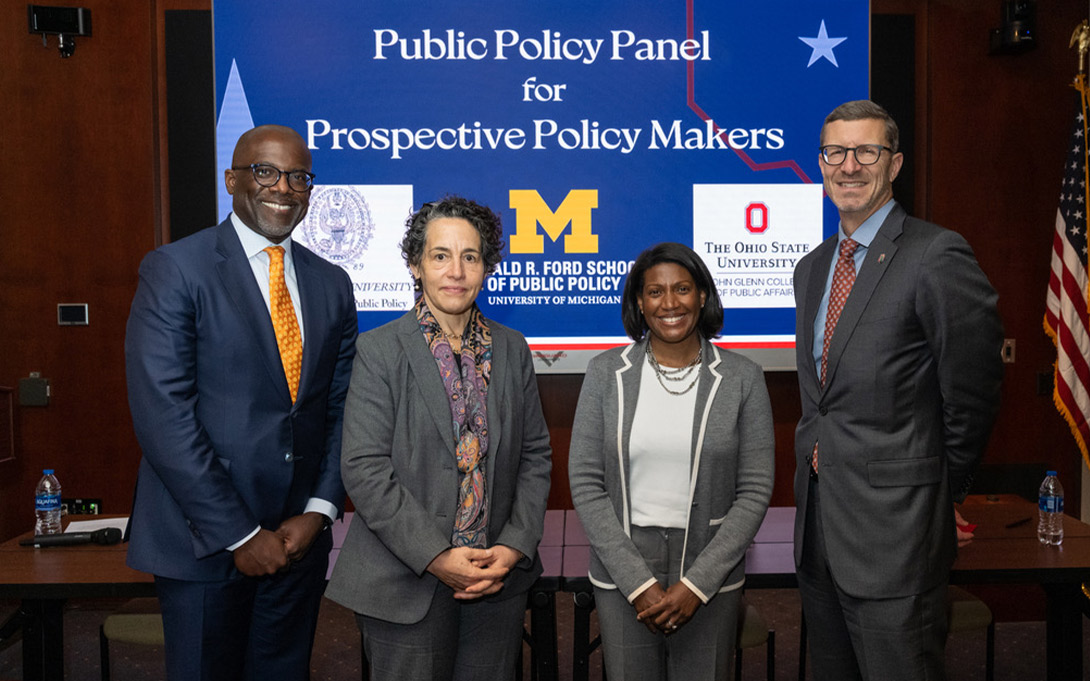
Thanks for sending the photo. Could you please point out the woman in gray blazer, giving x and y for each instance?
(446, 458)
(671, 469)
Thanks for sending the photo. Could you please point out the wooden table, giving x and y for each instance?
(43, 579)
(999, 554)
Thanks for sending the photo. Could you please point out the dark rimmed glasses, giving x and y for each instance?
(865, 154)
(268, 175)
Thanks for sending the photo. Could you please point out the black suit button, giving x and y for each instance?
(823, 410)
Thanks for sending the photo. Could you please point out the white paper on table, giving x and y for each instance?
(92, 525)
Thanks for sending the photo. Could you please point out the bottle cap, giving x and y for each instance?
(49, 471)
(1052, 473)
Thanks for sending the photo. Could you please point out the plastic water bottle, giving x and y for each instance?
(1050, 510)
(47, 504)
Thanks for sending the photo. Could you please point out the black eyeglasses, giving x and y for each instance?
(865, 154)
(268, 175)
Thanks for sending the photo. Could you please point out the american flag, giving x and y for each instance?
(1068, 306)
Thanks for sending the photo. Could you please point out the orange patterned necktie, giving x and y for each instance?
(285, 323)
(843, 280)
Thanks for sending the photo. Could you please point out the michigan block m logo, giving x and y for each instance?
(530, 210)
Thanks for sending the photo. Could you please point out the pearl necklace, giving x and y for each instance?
(674, 374)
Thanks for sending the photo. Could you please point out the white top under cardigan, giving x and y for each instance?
(659, 453)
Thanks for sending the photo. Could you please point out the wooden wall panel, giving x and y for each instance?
(77, 177)
(558, 397)
(1000, 128)
(81, 182)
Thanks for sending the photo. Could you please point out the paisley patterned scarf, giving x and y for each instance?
(466, 384)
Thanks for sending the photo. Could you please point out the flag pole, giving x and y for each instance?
(1081, 38)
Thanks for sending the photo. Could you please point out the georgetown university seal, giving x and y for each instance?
(339, 225)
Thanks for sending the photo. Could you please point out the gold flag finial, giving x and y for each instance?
(1081, 36)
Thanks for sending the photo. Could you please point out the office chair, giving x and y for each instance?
(137, 621)
(966, 612)
(753, 632)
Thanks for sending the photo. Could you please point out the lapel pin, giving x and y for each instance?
(881, 257)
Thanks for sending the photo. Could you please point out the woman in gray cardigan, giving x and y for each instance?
(671, 469)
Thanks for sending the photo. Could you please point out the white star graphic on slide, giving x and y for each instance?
(823, 46)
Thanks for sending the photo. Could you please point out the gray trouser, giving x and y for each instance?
(456, 641)
(701, 650)
(863, 639)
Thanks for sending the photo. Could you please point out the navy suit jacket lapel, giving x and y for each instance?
(239, 284)
(884, 248)
(311, 300)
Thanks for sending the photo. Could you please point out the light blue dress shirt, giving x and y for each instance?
(863, 235)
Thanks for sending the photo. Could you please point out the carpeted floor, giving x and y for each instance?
(1020, 646)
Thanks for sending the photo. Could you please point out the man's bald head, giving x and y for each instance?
(280, 133)
(271, 152)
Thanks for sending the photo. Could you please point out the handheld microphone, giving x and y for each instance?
(106, 536)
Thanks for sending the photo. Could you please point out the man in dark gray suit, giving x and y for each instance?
(899, 374)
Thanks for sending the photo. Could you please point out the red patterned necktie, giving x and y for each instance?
(285, 323)
(843, 279)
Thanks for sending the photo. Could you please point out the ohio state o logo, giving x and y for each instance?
(756, 217)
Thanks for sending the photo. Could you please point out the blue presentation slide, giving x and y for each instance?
(594, 129)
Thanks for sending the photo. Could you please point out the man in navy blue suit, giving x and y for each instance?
(240, 476)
